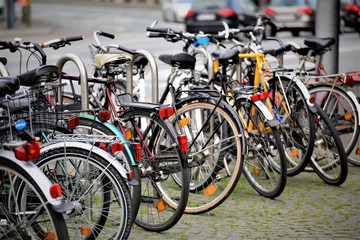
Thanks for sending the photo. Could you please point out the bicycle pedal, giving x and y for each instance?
(319, 158)
(221, 176)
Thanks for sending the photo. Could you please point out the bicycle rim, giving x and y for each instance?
(215, 154)
(101, 198)
(22, 199)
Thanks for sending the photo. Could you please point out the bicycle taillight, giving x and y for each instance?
(183, 143)
(28, 151)
(55, 190)
(260, 96)
(116, 147)
(165, 112)
(349, 81)
(73, 122)
(137, 151)
(104, 115)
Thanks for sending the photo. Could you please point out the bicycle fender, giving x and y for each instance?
(267, 114)
(305, 91)
(117, 133)
(40, 179)
(93, 149)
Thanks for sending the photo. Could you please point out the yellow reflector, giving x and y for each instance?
(358, 151)
(216, 66)
(294, 152)
(160, 206)
(85, 231)
(348, 116)
(210, 190)
(184, 122)
(257, 170)
(128, 134)
(50, 236)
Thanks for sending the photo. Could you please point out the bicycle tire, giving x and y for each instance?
(328, 159)
(86, 178)
(343, 113)
(94, 127)
(297, 122)
(37, 213)
(216, 168)
(163, 200)
(265, 165)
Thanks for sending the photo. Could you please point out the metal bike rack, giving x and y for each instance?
(82, 76)
(210, 64)
(154, 74)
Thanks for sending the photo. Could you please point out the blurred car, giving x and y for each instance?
(208, 15)
(292, 15)
(350, 14)
(175, 10)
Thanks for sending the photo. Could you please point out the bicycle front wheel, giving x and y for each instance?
(164, 170)
(24, 210)
(328, 159)
(100, 195)
(265, 165)
(215, 154)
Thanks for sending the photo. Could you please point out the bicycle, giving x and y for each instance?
(31, 206)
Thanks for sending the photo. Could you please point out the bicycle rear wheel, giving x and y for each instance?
(24, 210)
(265, 165)
(100, 195)
(164, 170)
(297, 122)
(343, 113)
(215, 154)
(328, 159)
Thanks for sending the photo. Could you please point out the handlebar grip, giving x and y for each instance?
(158, 30)
(108, 35)
(74, 38)
(155, 35)
(4, 44)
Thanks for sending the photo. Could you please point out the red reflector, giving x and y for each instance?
(349, 81)
(28, 151)
(317, 120)
(166, 112)
(104, 115)
(73, 122)
(55, 190)
(137, 151)
(130, 175)
(259, 97)
(183, 143)
(312, 99)
(116, 147)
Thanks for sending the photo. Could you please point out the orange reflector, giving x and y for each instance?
(184, 122)
(85, 231)
(116, 147)
(210, 190)
(160, 206)
(137, 151)
(50, 236)
(294, 152)
(319, 158)
(128, 134)
(55, 190)
(259, 97)
(358, 151)
(216, 65)
(73, 122)
(257, 170)
(166, 112)
(28, 151)
(104, 115)
(183, 143)
(348, 116)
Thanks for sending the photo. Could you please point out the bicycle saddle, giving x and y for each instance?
(111, 58)
(319, 44)
(46, 73)
(180, 60)
(226, 55)
(8, 85)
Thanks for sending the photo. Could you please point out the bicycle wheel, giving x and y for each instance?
(328, 159)
(93, 127)
(24, 210)
(297, 122)
(100, 195)
(215, 154)
(164, 170)
(342, 112)
(265, 165)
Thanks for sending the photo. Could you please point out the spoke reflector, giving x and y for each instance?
(85, 231)
(160, 206)
(348, 116)
(210, 190)
(50, 236)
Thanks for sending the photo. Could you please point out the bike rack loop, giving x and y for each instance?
(154, 74)
(83, 77)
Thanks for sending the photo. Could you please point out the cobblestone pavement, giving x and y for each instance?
(307, 209)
